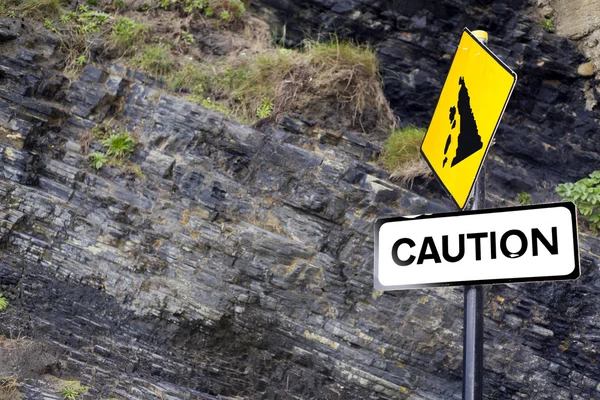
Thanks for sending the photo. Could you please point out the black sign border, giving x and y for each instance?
(511, 72)
(576, 273)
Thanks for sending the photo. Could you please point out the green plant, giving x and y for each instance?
(98, 160)
(83, 8)
(92, 2)
(235, 7)
(187, 37)
(49, 25)
(195, 5)
(127, 34)
(524, 198)
(265, 109)
(11, 14)
(156, 60)
(225, 16)
(401, 155)
(81, 60)
(585, 193)
(72, 390)
(119, 145)
(3, 303)
(548, 25)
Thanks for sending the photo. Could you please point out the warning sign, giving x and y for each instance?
(468, 112)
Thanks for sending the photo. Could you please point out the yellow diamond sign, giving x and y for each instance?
(468, 112)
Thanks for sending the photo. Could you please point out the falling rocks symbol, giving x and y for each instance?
(469, 140)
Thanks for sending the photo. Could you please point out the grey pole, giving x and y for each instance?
(473, 324)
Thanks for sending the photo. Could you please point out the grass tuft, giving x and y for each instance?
(336, 74)
(156, 60)
(119, 145)
(9, 388)
(72, 390)
(127, 35)
(401, 155)
(40, 8)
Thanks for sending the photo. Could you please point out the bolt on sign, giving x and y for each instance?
(466, 117)
(517, 244)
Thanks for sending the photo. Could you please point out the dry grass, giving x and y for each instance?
(341, 77)
(40, 9)
(402, 157)
(9, 388)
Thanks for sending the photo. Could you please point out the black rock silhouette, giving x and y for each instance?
(469, 140)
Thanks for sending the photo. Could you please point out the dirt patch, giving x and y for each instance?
(578, 20)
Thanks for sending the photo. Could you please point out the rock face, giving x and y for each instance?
(240, 262)
(547, 135)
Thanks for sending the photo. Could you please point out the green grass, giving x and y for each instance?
(156, 60)
(402, 147)
(119, 145)
(401, 155)
(127, 35)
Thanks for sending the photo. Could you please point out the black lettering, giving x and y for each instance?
(433, 255)
(537, 235)
(461, 249)
(493, 245)
(505, 250)
(397, 260)
(477, 237)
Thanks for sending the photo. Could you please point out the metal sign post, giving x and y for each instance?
(473, 322)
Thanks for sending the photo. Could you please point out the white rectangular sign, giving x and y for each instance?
(517, 244)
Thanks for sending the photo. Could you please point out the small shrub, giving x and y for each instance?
(72, 390)
(585, 193)
(156, 60)
(548, 25)
(524, 198)
(187, 37)
(98, 160)
(401, 155)
(119, 145)
(225, 16)
(40, 8)
(127, 34)
(81, 60)
(265, 109)
(3, 303)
